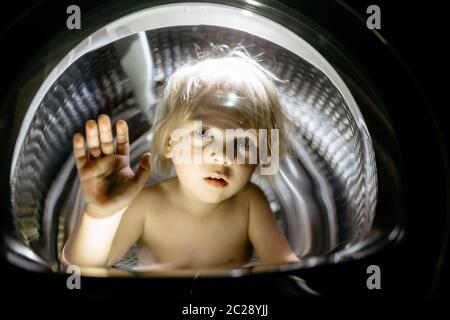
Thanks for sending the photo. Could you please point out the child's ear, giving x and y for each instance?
(168, 151)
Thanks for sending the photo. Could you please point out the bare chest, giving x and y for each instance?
(219, 239)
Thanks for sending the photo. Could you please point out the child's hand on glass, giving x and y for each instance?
(108, 183)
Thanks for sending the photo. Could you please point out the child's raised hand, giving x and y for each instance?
(108, 183)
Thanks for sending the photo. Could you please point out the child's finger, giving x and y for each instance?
(93, 142)
(78, 150)
(122, 138)
(106, 138)
(144, 170)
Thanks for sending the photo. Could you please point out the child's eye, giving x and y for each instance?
(204, 133)
(244, 143)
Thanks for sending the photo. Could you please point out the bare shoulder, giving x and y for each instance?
(154, 193)
(254, 193)
(254, 198)
(142, 201)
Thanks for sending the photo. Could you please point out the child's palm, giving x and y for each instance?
(106, 178)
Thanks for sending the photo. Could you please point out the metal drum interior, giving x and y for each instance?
(324, 197)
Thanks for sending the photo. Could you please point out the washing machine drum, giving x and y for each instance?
(323, 196)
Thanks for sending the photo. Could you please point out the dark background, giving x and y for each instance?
(418, 33)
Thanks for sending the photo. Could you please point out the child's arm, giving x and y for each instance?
(111, 191)
(264, 233)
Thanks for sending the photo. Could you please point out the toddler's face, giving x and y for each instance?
(210, 173)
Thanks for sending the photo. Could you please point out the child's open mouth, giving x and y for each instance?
(216, 181)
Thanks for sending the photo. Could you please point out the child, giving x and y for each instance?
(209, 214)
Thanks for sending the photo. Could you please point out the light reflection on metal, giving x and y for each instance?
(333, 157)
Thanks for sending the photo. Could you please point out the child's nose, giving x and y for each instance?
(219, 155)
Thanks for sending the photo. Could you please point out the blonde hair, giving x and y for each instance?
(235, 74)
